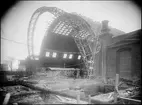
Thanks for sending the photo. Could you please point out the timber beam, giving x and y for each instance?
(48, 91)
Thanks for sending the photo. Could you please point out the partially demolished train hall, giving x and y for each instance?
(80, 62)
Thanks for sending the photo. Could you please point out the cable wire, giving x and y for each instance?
(13, 41)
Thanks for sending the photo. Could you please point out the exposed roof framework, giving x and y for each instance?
(65, 24)
(62, 28)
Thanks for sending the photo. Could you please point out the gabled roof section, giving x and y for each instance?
(128, 38)
(71, 24)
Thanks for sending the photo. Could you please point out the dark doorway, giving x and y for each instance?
(124, 63)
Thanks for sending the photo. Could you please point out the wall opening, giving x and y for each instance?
(123, 64)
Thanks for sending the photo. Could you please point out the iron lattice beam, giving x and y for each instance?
(72, 24)
(53, 10)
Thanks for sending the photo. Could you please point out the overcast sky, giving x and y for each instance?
(122, 15)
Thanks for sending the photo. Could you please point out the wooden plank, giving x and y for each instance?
(23, 94)
(130, 99)
(116, 88)
(69, 100)
(6, 99)
(48, 91)
(108, 97)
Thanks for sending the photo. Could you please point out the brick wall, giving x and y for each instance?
(136, 54)
(112, 63)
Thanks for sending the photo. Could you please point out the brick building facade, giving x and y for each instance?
(120, 54)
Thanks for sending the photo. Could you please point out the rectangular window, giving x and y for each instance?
(54, 55)
(70, 56)
(79, 57)
(47, 54)
(65, 56)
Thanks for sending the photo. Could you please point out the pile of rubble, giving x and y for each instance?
(96, 89)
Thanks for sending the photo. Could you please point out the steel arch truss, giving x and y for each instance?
(53, 10)
(67, 24)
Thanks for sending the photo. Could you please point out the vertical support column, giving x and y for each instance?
(106, 38)
(78, 98)
(105, 56)
(89, 99)
(93, 58)
(104, 63)
(116, 88)
(117, 81)
(115, 96)
(117, 62)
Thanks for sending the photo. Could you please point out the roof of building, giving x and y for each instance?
(127, 38)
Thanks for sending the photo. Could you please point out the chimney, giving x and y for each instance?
(105, 27)
(105, 36)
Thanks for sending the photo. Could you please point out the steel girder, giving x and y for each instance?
(74, 25)
(53, 10)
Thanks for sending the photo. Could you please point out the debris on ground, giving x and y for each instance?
(93, 87)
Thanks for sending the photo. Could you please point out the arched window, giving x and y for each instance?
(124, 62)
